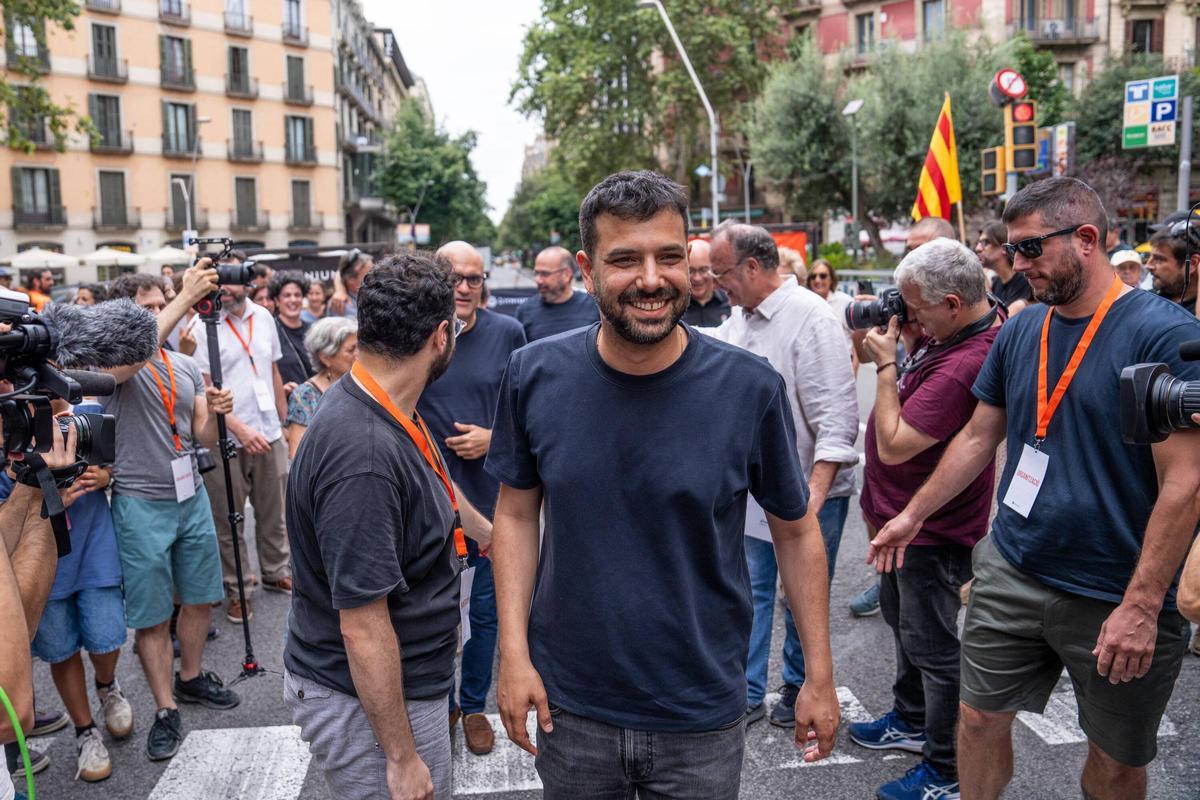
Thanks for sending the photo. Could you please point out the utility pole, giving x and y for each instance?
(1184, 187)
(852, 108)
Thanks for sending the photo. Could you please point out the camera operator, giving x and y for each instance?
(920, 405)
(1168, 251)
(1079, 569)
(165, 531)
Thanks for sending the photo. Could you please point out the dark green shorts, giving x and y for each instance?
(1019, 635)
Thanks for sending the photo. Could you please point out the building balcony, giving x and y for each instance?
(40, 59)
(108, 70)
(804, 8)
(36, 133)
(294, 34)
(307, 223)
(239, 23)
(51, 218)
(257, 222)
(244, 152)
(1063, 32)
(174, 12)
(300, 154)
(176, 220)
(116, 219)
(360, 99)
(173, 148)
(242, 86)
(104, 6)
(365, 199)
(176, 78)
(358, 144)
(114, 143)
(297, 94)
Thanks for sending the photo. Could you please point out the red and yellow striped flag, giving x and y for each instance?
(939, 186)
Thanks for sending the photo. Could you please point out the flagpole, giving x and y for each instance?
(962, 231)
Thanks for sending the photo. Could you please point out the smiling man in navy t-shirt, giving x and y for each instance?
(628, 632)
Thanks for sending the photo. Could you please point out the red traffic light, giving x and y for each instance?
(1022, 112)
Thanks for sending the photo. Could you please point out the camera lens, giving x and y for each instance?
(1172, 403)
(235, 274)
(96, 442)
(876, 313)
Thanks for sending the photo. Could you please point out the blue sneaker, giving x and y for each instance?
(866, 602)
(889, 732)
(922, 782)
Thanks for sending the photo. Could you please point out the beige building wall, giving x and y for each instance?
(211, 31)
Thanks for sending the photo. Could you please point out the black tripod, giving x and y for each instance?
(209, 310)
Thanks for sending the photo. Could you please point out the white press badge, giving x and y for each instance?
(185, 484)
(264, 395)
(756, 520)
(1027, 481)
(466, 580)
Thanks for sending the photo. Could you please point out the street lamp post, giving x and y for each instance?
(852, 108)
(182, 184)
(714, 129)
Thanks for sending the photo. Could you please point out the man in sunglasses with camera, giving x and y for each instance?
(1079, 570)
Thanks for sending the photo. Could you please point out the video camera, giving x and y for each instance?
(862, 314)
(1154, 403)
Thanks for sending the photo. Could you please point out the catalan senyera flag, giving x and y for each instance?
(939, 187)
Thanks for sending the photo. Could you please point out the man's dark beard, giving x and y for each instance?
(1063, 286)
(438, 368)
(637, 332)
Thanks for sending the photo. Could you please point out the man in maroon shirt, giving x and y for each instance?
(920, 405)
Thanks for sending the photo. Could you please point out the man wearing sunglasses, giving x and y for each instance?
(1173, 269)
(558, 307)
(1079, 569)
(458, 409)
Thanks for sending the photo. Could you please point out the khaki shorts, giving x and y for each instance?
(1020, 634)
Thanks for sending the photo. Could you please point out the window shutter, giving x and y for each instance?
(187, 58)
(55, 193)
(18, 199)
(92, 110)
(162, 52)
(309, 145)
(1156, 36)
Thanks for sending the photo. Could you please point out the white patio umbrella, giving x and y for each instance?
(108, 257)
(169, 255)
(36, 257)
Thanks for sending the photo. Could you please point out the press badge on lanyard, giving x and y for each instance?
(262, 389)
(181, 467)
(1031, 469)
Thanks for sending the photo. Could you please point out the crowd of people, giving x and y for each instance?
(428, 477)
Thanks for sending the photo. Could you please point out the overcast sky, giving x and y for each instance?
(467, 50)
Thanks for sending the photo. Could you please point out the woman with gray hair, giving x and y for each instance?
(332, 343)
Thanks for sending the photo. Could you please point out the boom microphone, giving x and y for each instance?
(116, 333)
(93, 384)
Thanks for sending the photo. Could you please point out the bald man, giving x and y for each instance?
(927, 230)
(709, 306)
(458, 409)
(558, 307)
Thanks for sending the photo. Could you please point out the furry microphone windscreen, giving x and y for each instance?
(117, 333)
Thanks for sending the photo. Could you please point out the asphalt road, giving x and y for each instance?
(252, 752)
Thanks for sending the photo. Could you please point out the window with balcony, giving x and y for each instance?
(237, 18)
(242, 146)
(1144, 35)
(113, 211)
(23, 41)
(864, 34)
(1066, 77)
(28, 125)
(301, 204)
(293, 22)
(105, 111)
(933, 16)
(37, 197)
(179, 129)
(299, 145)
(182, 203)
(104, 64)
(246, 196)
(173, 10)
(238, 80)
(176, 62)
(294, 90)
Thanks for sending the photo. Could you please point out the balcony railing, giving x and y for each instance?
(307, 223)
(352, 92)
(364, 198)
(239, 23)
(173, 148)
(174, 12)
(249, 223)
(172, 77)
(241, 85)
(297, 94)
(176, 220)
(40, 59)
(300, 153)
(295, 34)
(109, 70)
(359, 144)
(104, 6)
(244, 151)
(1057, 31)
(114, 142)
(116, 219)
(802, 8)
(52, 217)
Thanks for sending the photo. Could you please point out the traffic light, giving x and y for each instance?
(992, 174)
(1020, 135)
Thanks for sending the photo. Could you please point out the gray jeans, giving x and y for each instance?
(584, 758)
(341, 740)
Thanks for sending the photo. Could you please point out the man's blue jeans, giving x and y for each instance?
(760, 557)
(479, 652)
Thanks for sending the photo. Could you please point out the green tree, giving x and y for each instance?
(604, 78)
(426, 166)
(545, 204)
(1040, 71)
(23, 103)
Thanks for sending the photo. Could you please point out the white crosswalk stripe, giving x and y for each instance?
(507, 768)
(236, 764)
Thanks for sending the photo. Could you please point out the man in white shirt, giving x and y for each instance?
(250, 352)
(799, 334)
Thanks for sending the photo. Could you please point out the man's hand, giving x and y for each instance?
(887, 548)
(520, 687)
(220, 401)
(1125, 646)
(337, 303)
(409, 779)
(289, 387)
(187, 341)
(880, 346)
(473, 443)
(62, 449)
(93, 479)
(817, 716)
(199, 281)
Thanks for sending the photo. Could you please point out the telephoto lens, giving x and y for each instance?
(97, 437)
(235, 274)
(1155, 404)
(863, 314)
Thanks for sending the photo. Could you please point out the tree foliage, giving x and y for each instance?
(1040, 71)
(545, 205)
(23, 103)
(423, 164)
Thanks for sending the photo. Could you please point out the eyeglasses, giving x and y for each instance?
(818, 276)
(1031, 248)
(474, 281)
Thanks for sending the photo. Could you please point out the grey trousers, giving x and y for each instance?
(340, 738)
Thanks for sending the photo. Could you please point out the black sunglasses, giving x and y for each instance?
(1031, 248)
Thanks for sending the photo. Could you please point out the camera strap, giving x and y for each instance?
(424, 442)
(1047, 405)
(167, 399)
(975, 328)
(32, 471)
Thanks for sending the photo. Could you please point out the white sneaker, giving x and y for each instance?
(94, 763)
(117, 713)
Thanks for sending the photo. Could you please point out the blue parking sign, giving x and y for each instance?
(1162, 111)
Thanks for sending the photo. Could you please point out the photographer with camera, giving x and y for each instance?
(1079, 569)
(1173, 270)
(920, 405)
(164, 523)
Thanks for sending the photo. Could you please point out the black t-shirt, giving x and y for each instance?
(368, 518)
(1016, 289)
(710, 314)
(295, 366)
(542, 319)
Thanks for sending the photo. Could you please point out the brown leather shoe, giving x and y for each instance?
(234, 614)
(283, 585)
(455, 715)
(478, 732)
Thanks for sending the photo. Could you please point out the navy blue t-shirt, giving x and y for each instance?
(641, 609)
(467, 393)
(1084, 534)
(542, 319)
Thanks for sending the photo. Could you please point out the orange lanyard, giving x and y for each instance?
(245, 343)
(168, 399)
(1047, 407)
(424, 442)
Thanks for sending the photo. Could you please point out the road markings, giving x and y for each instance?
(259, 763)
(1060, 722)
(507, 768)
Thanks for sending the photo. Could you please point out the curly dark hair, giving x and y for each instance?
(282, 279)
(402, 301)
(631, 196)
(129, 284)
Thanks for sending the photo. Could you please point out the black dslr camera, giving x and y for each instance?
(227, 274)
(1154, 403)
(875, 313)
